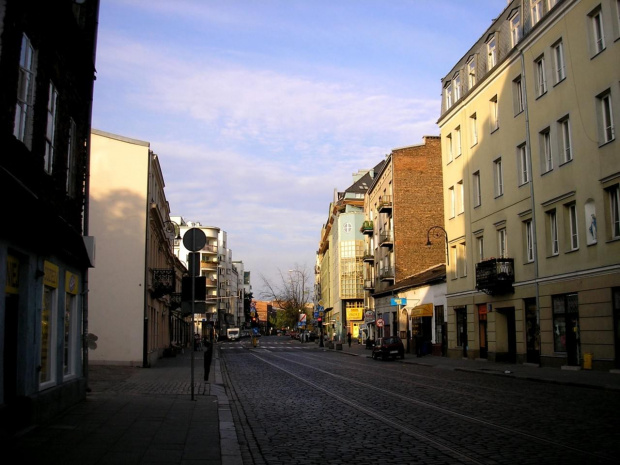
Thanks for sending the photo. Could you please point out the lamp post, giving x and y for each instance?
(176, 229)
(437, 234)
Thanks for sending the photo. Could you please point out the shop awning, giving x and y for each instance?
(420, 310)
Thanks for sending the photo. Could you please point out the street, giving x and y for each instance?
(296, 403)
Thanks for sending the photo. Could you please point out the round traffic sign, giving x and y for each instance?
(380, 322)
(194, 239)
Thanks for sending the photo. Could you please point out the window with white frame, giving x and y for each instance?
(491, 52)
(541, 77)
(448, 95)
(456, 82)
(25, 93)
(480, 248)
(572, 223)
(617, 19)
(517, 95)
(515, 28)
(473, 124)
(50, 133)
(596, 31)
(605, 117)
(529, 241)
(546, 156)
(462, 259)
(461, 196)
(613, 194)
(477, 189)
(494, 113)
(565, 139)
(450, 148)
(49, 311)
(499, 177)
(558, 62)
(455, 260)
(452, 196)
(537, 10)
(471, 72)
(524, 171)
(458, 139)
(502, 243)
(554, 243)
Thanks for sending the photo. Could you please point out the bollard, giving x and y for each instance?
(587, 361)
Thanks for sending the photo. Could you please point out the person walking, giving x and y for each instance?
(349, 338)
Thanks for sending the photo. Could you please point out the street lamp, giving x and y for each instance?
(173, 228)
(437, 234)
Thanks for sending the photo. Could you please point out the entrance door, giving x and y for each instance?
(461, 329)
(616, 304)
(505, 329)
(532, 331)
(482, 330)
(10, 347)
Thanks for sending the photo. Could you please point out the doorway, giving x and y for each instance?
(532, 332)
(482, 330)
(461, 329)
(616, 306)
(505, 326)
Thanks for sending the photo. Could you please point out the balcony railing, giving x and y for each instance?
(386, 274)
(367, 227)
(369, 284)
(495, 276)
(385, 204)
(368, 257)
(386, 238)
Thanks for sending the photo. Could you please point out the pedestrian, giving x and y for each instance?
(349, 338)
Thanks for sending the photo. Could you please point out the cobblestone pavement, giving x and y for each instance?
(295, 405)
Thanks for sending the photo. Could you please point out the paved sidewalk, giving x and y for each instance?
(573, 376)
(140, 416)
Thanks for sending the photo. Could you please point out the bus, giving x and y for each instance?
(232, 334)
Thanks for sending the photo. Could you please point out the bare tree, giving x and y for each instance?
(290, 295)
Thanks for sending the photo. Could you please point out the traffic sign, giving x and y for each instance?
(397, 301)
(380, 322)
(302, 318)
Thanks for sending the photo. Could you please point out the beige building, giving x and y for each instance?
(132, 310)
(531, 186)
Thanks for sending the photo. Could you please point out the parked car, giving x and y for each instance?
(294, 335)
(388, 347)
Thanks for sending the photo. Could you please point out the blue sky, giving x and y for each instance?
(260, 109)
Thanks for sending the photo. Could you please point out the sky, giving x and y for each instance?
(259, 110)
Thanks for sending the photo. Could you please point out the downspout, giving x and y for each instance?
(86, 217)
(532, 196)
(147, 236)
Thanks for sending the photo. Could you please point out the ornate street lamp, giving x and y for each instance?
(437, 234)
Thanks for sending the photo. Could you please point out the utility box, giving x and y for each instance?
(587, 361)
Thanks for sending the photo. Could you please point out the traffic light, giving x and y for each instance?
(320, 321)
(254, 322)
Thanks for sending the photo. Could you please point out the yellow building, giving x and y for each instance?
(531, 187)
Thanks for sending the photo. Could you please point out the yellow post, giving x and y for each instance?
(587, 361)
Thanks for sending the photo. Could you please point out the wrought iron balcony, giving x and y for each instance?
(385, 204)
(369, 257)
(367, 227)
(495, 276)
(386, 274)
(386, 238)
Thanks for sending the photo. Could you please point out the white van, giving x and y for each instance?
(232, 334)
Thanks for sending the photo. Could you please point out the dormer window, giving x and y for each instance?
(471, 72)
(515, 28)
(448, 95)
(457, 86)
(492, 52)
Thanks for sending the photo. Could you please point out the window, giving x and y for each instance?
(471, 72)
(545, 150)
(515, 28)
(606, 120)
(517, 95)
(492, 52)
(529, 241)
(524, 172)
(50, 134)
(450, 148)
(499, 177)
(452, 202)
(69, 355)
(448, 95)
(477, 190)
(565, 142)
(572, 222)
(597, 32)
(494, 116)
(455, 262)
(457, 86)
(461, 195)
(553, 233)
(480, 242)
(541, 79)
(72, 170)
(25, 93)
(537, 10)
(614, 210)
(457, 135)
(473, 121)
(462, 259)
(558, 58)
(502, 243)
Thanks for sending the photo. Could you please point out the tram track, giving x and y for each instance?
(502, 432)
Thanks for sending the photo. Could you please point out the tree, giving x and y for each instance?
(247, 302)
(289, 297)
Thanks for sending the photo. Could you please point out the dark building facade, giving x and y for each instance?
(47, 73)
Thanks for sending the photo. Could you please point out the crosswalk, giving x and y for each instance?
(269, 345)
